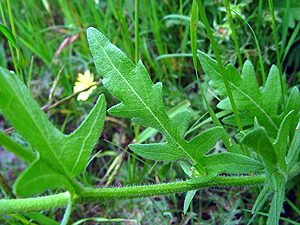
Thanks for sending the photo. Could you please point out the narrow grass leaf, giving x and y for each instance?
(16, 148)
(9, 35)
(11, 38)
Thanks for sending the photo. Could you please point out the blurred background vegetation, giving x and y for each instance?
(52, 38)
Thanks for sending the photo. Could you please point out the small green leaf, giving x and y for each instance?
(60, 157)
(293, 103)
(280, 144)
(294, 150)
(201, 180)
(188, 199)
(260, 142)
(186, 168)
(230, 163)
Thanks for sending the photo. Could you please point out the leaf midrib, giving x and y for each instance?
(152, 113)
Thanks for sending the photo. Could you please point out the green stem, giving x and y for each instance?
(263, 74)
(136, 33)
(113, 194)
(234, 33)
(225, 136)
(137, 50)
(220, 64)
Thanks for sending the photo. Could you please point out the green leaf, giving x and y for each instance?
(60, 157)
(228, 162)
(186, 168)
(249, 98)
(16, 148)
(142, 100)
(9, 35)
(294, 150)
(41, 218)
(169, 151)
(294, 104)
(11, 38)
(258, 140)
(273, 154)
(187, 201)
(280, 144)
(276, 205)
(274, 157)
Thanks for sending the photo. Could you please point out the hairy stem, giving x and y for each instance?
(113, 194)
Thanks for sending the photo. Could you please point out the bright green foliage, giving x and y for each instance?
(142, 100)
(274, 157)
(60, 157)
(252, 101)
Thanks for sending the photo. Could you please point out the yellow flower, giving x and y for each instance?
(83, 81)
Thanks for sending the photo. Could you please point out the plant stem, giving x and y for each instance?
(221, 67)
(234, 33)
(89, 195)
(136, 58)
(13, 29)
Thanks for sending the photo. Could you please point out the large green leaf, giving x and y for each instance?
(252, 101)
(60, 157)
(142, 101)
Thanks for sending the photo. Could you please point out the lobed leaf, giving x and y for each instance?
(142, 101)
(249, 98)
(60, 157)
